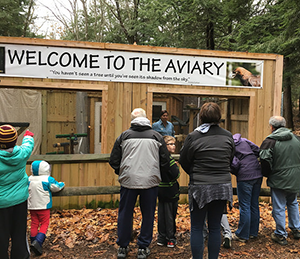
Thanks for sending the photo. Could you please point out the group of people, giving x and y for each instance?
(141, 157)
(20, 193)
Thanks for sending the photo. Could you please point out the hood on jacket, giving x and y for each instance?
(281, 134)
(140, 124)
(40, 168)
(140, 121)
(237, 138)
(204, 128)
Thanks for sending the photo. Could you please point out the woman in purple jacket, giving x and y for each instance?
(245, 166)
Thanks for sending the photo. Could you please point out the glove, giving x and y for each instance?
(28, 133)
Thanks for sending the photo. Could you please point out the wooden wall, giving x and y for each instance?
(61, 116)
(247, 110)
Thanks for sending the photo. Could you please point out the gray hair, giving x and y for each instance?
(277, 122)
(138, 112)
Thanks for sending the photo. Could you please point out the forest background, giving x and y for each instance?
(261, 26)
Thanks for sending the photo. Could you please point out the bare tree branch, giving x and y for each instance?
(29, 17)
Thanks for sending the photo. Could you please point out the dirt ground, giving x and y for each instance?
(262, 247)
(80, 234)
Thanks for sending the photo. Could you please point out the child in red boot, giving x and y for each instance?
(41, 186)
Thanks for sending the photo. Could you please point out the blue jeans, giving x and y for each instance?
(248, 195)
(214, 211)
(280, 199)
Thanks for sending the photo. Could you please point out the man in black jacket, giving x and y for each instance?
(139, 156)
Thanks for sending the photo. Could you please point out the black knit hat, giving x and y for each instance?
(8, 136)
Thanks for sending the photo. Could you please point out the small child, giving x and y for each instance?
(226, 231)
(41, 186)
(168, 196)
(14, 192)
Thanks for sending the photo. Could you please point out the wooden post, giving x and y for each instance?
(72, 143)
(193, 113)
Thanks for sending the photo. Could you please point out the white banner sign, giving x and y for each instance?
(125, 66)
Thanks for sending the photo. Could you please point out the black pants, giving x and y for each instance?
(128, 199)
(166, 221)
(13, 224)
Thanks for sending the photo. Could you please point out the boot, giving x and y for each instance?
(40, 237)
(37, 244)
(36, 247)
(32, 239)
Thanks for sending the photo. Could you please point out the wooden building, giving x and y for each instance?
(91, 88)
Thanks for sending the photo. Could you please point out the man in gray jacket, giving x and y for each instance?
(280, 162)
(139, 156)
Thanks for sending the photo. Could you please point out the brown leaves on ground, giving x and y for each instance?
(89, 233)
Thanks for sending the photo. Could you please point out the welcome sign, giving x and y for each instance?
(124, 66)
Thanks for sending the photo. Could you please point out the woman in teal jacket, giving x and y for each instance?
(14, 192)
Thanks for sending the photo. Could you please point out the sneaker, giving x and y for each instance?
(122, 252)
(252, 237)
(161, 243)
(36, 248)
(296, 233)
(171, 244)
(236, 238)
(281, 240)
(227, 242)
(143, 253)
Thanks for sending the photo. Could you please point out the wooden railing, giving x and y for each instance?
(99, 190)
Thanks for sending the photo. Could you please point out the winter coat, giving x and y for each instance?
(139, 156)
(13, 177)
(41, 186)
(206, 157)
(168, 190)
(280, 160)
(245, 165)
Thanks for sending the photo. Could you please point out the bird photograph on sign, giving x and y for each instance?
(244, 74)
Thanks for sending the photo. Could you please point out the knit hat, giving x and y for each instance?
(8, 136)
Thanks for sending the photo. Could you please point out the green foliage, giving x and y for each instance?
(275, 29)
(108, 205)
(91, 205)
(16, 17)
(205, 24)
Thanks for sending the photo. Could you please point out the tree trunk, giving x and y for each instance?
(210, 41)
(299, 106)
(287, 98)
(287, 104)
